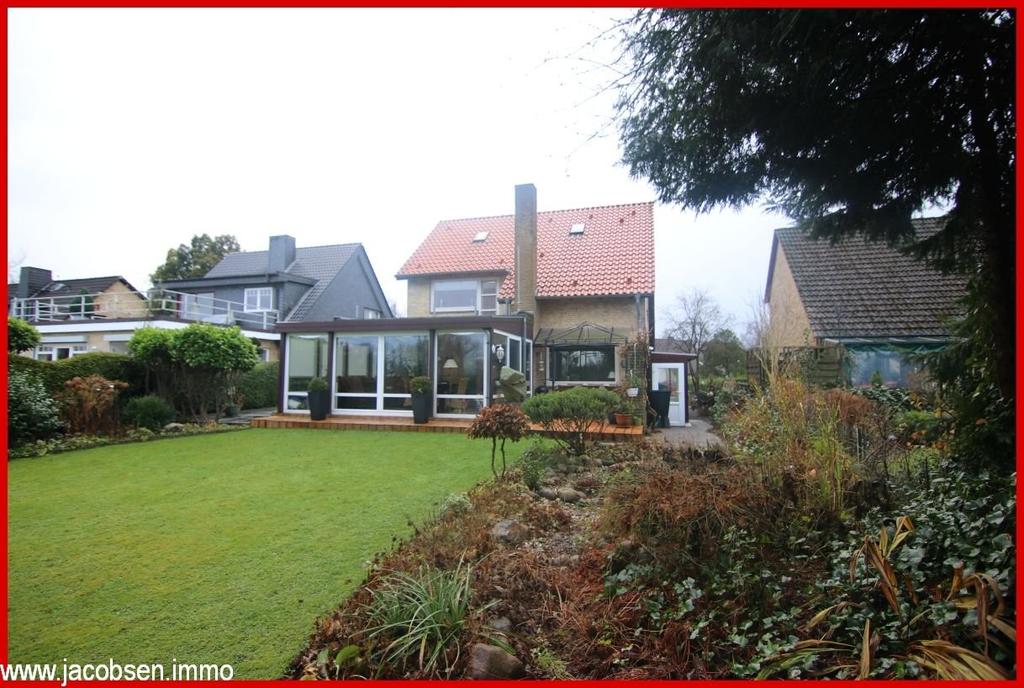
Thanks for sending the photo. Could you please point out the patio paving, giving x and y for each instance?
(697, 435)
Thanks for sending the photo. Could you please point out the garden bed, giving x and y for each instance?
(644, 561)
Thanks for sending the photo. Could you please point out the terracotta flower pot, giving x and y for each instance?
(623, 419)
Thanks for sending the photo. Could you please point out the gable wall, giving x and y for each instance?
(349, 292)
(789, 324)
(118, 301)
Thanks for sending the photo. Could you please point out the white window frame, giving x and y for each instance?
(486, 374)
(379, 394)
(371, 313)
(287, 373)
(478, 306)
(259, 292)
(48, 352)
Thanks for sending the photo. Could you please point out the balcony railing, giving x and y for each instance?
(156, 303)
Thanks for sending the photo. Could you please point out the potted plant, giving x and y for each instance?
(623, 416)
(319, 399)
(421, 388)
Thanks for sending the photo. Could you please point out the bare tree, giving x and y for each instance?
(693, 320)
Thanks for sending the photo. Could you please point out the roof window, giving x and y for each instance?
(577, 228)
(480, 236)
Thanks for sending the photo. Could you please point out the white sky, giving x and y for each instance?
(132, 130)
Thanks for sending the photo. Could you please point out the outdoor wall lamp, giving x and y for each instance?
(499, 352)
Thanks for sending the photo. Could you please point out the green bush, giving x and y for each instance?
(534, 463)
(20, 336)
(198, 366)
(258, 387)
(421, 385)
(570, 414)
(54, 374)
(31, 413)
(455, 504)
(150, 412)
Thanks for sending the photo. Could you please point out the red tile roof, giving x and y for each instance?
(613, 255)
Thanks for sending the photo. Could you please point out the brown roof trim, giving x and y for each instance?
(771, 267)
(506, 323)
(671, 357)
(454, 275)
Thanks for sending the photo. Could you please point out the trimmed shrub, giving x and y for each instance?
(498, 422)
(258, 387)
(31, 413)
(150, 412)
(20, 336)
(55, 374)
(570, 414)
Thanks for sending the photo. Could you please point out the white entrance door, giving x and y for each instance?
(671, 377)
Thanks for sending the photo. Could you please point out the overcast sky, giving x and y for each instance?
(132, 130)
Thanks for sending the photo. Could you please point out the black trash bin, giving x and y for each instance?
(660, 399)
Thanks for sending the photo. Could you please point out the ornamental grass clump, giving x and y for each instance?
(421, 618)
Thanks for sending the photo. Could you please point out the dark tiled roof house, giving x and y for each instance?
(869, 296)
(295, 284)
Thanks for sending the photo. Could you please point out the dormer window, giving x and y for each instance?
(478, 296)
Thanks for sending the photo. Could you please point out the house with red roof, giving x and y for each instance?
(559, 296)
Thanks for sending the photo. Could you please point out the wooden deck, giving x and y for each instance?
(404, 424)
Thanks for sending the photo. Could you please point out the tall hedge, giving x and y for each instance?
(53, 374)
(258, 387)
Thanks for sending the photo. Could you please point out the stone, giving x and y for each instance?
(509, 531)
(547, 493)
(567, 494)
(492, 662)
(502, 624)
(607, 460)
(174, 427)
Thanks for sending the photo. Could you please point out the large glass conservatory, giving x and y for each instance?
(369, 363)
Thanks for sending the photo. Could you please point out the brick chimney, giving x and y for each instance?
(282, 253)
(32, 280)
(526, 249)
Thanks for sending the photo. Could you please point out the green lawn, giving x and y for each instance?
(219, 548)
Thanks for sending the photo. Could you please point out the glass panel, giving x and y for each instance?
(298, 402)
(891, 366)
(488, 304)
(307, 358)
(514, 351)
(398, 403)
(466, 406)
(460, 362)
(489, 287)
(529, 365)
(360, 403)
(405, 357)
(667, 380)
(585, 364)
(455, 294)
(355, 360)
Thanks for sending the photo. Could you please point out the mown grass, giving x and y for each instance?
(218, 548)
